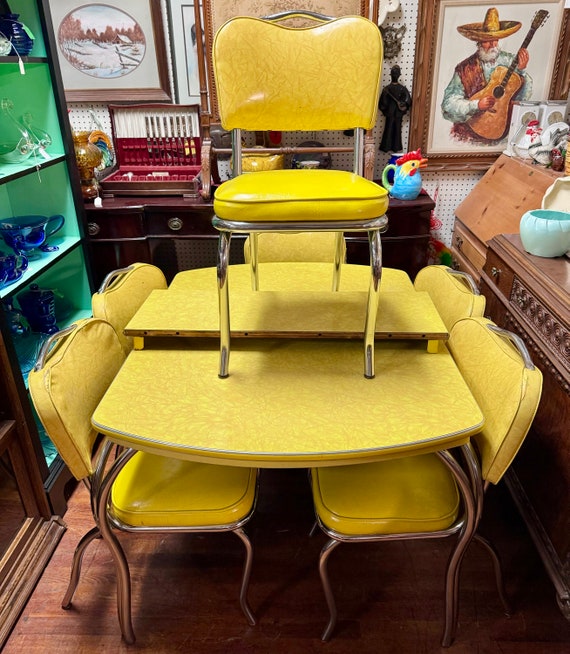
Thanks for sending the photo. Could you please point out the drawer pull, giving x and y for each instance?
(175, 224)
(93, 229)
(495, 272)
(459, 242)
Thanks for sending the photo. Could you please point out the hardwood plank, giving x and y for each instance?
(390, 595)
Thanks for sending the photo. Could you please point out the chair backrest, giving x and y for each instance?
(453, 293)
(297, 247)
(504, 382)
(273, 77)
(123, 292)
(216, 12)
(73, 371)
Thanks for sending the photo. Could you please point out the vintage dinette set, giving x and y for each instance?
(193, 432)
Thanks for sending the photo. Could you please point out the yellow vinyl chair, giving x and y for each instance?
(135, 492)
(418, 496)
(322, 77)
(453, 292)
(121, 294)
(312, 252)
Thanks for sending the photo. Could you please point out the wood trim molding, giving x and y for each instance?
(22, 565)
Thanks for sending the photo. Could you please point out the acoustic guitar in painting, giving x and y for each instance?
(493, 124)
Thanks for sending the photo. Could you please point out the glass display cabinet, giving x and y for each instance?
(44, 285)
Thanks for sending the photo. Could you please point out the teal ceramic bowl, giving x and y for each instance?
(545, 232)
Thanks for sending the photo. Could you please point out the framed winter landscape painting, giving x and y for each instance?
(111, 52)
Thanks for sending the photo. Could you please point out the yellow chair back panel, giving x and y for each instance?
(70, 385)
(119, 302)
(273, 77)
(507, 392)
(299, 247)
(452, 298)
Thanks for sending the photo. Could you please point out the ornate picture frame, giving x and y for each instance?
(184, 46)
(113, 51)
(441, 45)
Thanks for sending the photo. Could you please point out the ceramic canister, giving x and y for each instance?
(545, 232)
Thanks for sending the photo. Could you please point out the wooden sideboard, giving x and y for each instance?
(496, 204)
(531, 296)
(177, 234)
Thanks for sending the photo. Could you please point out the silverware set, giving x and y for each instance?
(167, 139)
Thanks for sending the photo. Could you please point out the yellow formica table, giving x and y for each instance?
(189, 307)
(288, 403)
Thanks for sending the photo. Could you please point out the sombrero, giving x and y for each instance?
(491, 28)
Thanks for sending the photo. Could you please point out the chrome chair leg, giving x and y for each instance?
(373, 299)
(82, 546)
(246, 576)
(224, 301)
(464, 538)
(338, 256)
(323, 572)
(121, 563)
(254, 259)
(498, 571)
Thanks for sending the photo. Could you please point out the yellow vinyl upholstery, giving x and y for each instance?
(293, 276)
(283, 98)
(486, 363)
(453, 293)
(418, 495)
(122, 293)
(66, 390)
(299, 196)
(197, 494)
(302, 246)
(323, 77)
(311, 248)
(149, 491)
(344, 501)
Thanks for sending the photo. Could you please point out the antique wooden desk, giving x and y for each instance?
(531, 296)
(177, 234)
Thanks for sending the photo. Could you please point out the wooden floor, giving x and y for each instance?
(389, 595)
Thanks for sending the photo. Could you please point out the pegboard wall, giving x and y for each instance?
(447, 189)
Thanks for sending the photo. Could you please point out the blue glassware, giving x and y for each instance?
(16, 32)
(12, 267)
(24, 234)
(38, 306)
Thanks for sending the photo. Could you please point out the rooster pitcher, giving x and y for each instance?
(407, 178)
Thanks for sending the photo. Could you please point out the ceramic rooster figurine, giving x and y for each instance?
(407, 178)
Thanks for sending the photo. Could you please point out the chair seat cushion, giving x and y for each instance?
(300, 196)
(156, 491)
(399, 496)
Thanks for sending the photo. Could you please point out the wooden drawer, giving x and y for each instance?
(460, 262)
(469, 246)
(107, 225)
(499, 273)
(409, 217)
(179, 222)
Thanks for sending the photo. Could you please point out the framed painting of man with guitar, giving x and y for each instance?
(473, 60)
